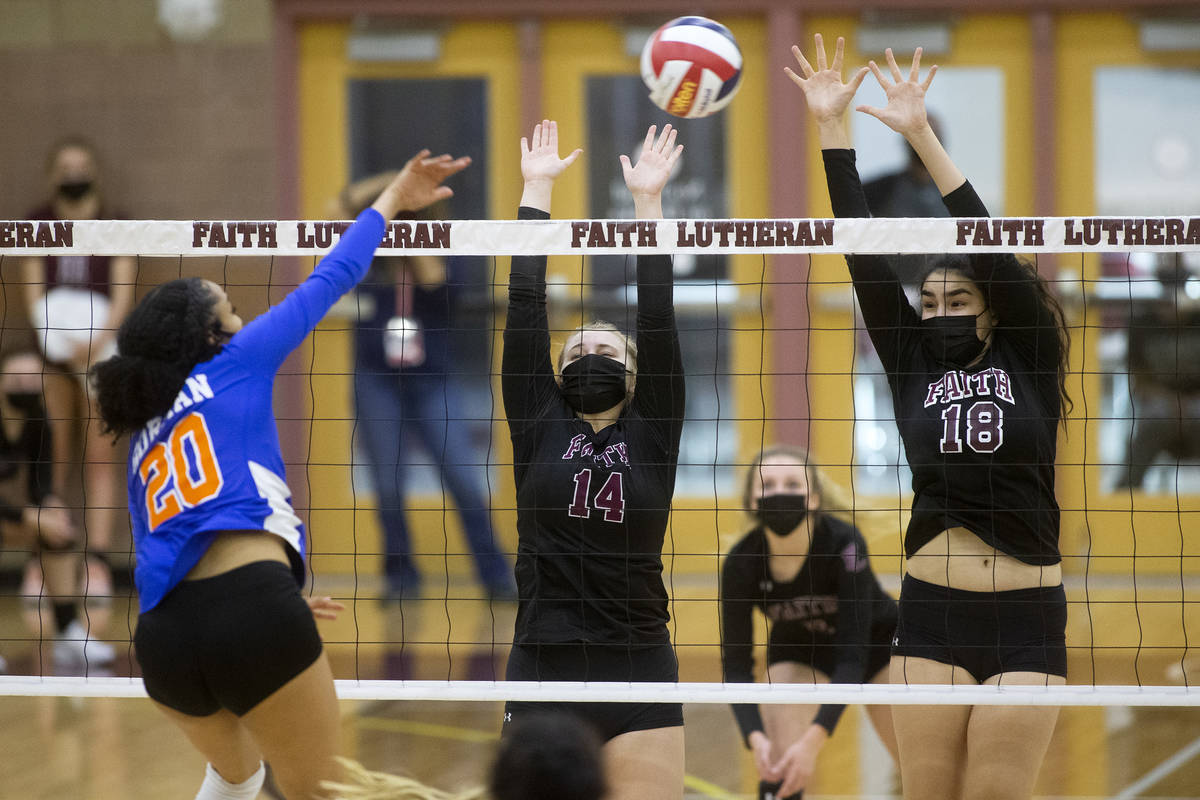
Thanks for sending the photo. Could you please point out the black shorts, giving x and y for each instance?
(985, 633)
(229, 641)
(595, 662)
(824, 656)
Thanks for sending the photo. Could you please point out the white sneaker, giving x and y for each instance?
(74, 649)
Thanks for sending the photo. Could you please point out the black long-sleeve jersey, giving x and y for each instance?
(592, 507)
(981, 442)
(828, 615)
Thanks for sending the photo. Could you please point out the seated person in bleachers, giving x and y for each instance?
(32, 516)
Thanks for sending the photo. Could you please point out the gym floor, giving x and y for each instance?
(115, 749)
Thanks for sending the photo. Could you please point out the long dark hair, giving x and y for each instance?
(965, 266)
(169, 332)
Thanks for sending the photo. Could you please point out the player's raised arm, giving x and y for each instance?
(905, 114)
(541, 165)
(527, 373)
(419, 184)
(827, 95)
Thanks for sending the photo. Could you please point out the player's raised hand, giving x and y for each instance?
(905, 109)
(827, 95)
(540, 164)
(654, 165)
(539, 154)
(419, 184)
(647, 178)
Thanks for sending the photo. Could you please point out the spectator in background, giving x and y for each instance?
(1164, 376)
(76, 304)
(909, 192)
(402, 390)
(32, 516)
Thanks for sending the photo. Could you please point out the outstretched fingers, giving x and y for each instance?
(879, 76)
(857, 80)
(897, 76)
(820, 43)
(666, 140)
(648, 144)
(929, 78)
(914, 74)
(839, 52)
(805, 67)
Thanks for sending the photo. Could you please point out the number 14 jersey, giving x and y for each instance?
(592, 507)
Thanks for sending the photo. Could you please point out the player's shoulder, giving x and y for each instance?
(841, 533)
(751, 543)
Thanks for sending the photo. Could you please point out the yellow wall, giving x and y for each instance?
(576, 48)
(1116, 526)
(344, 525)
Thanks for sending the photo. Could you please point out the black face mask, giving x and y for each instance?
(782, 513)
(28, 403)
(951, 340)
(593, 383)
(73, 190)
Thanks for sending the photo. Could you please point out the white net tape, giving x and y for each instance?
(683, 692)
(610, 237)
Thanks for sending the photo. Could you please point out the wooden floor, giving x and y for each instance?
(116, 749)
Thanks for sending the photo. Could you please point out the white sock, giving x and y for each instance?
(217, 788)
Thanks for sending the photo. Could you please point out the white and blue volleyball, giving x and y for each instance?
(692, 67)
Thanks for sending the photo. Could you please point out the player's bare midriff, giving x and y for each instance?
(233, 549)
(960, 559)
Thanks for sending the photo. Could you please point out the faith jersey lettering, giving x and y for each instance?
(592, 507)
(980, 440)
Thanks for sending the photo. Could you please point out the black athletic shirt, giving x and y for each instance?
(827, 616)
(981, 441)
(592, 508)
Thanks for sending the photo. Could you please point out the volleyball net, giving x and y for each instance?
(774, 352)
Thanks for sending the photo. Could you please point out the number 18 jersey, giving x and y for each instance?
(980, 440)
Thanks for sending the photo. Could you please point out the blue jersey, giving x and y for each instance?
(212, 462)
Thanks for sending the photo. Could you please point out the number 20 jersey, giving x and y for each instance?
(212, 462)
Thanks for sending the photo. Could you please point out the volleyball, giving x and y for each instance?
(692, 67)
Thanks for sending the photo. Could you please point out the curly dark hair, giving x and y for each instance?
(168, 333)
(966, 267)
(548, 756)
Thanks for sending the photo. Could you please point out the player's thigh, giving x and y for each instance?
(881, 715)
(221, 739)
(786, 723)
(645, 765)
(930, 740)
(297, 729)
(1006, 744)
